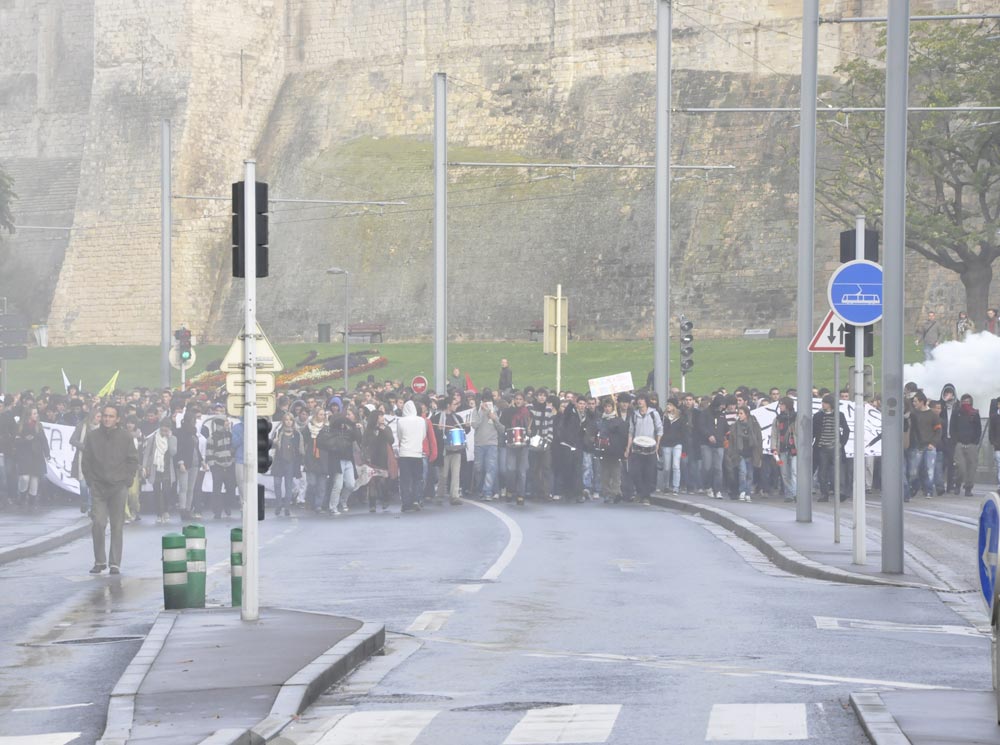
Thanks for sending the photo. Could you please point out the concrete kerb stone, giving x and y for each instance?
(784, 556)
(46, 542)
(121, 705)
(876, 720)
(303, 688)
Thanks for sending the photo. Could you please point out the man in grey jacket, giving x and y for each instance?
(109, 464)
(929, 335)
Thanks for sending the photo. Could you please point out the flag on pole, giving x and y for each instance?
(468, 384)
(109, 387)
(66, 383)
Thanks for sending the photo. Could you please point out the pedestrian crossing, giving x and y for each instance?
(580, 724)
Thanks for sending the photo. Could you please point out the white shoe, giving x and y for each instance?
(717, 495)
(743, 497)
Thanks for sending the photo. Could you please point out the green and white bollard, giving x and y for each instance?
(196, 565)
(236, 563)
(175, 576)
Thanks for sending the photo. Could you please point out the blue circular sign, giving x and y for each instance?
(855, 292)
(986, 554)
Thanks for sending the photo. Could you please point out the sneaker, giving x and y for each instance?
(645, 500)
(586, 493)
(455, 502)
(137, 518)
(98, 568)
(371, 509)
(743, 497)
(83, 509)
(555, 497)
(717, 495)
(277, 511)
(288, 512)
(748, 499)
(520, 500)
(196, 516)
(115, 570)
(344, 507)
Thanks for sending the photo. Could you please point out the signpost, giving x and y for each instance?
(555, 335)
(829, 337)
(268, 363)
(419, 384)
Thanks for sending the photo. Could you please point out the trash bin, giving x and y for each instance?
(324, 333)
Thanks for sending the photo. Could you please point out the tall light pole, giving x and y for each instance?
(347, 316)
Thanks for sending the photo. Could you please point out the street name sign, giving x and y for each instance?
(986, 552)
(855, 292)
(829, 337)
(267, 404)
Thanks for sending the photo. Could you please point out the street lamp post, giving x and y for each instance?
(347, 315)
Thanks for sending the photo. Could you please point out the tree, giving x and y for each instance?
(953, 163)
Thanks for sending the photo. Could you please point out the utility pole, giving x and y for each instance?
(661, 261)
(440, 232)
(860, 519)
(165, 254)
(894, 231)
(804, 300)
(250, 609)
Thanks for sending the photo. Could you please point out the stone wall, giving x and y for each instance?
(334, 98)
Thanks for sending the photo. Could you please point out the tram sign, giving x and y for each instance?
(986, 553)
(855, 292)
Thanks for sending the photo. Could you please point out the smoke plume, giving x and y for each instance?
(972, 366)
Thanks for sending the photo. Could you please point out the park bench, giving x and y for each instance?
(367, 333)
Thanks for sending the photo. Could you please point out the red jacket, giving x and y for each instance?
(430, 442)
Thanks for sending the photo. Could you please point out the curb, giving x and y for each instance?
(780, 553)
(876, 720)
(46, 542)
(121, 705)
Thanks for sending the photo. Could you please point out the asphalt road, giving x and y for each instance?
(619, 624)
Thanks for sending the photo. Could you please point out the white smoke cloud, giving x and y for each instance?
(972, 366)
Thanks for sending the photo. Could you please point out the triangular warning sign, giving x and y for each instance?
(829, 337)
(267, 358)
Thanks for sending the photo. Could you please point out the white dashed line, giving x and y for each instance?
(50, 738)
(559, 724)
(430, 620)
(828, 623)
(757, 722)
(379, 728)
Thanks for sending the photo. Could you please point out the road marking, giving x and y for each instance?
(828, 623)
(576, 723)
(513, 544)
(628, 565)
(467, 589)
(806, 682)
(757, 722)
(430, 620)
(379, 728)
(50, 738)
(54, 708)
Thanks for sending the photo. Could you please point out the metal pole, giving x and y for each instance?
(894, 225)
(804, 300)
(440, 232)
(347, 320)
(165, 253)
(183, 376)
(558, 339)
(860, 519)
(661, 260)
(836, 448)
(3, 376)
(249, 610)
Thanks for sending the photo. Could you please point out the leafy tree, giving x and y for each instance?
(953, 164)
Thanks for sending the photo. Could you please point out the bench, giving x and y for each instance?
(366, 333)
(537, 328)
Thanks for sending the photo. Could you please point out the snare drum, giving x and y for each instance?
(517, 437)
(535, 442)
(643, 445)
(456, 440)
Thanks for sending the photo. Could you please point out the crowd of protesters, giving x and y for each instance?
(384, 445)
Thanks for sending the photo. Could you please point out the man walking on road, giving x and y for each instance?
(109, 464)
(929, 335)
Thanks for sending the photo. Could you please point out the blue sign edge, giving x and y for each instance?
(829, 291)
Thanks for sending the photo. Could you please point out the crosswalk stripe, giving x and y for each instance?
(430, 620)
(829, 623)
(578, 723)
(50, 738)
(757, 722)
(379, 727)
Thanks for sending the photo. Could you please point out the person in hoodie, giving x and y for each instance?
(412, 431)
(967, 429)
(712, 428)
(944, 464)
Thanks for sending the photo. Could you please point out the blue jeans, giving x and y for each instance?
(283, 497)
(591, 473)
(343, 483)
(517, 470)
(711, 467)
(671, 466)
(788, 475)
(691, 471)
(486, 470)
(410, 470)
(996, 461)
(315, 489)
(746, 475)
(920, 471)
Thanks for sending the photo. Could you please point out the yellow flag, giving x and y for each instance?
(109, 387)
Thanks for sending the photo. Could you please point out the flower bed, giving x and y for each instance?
(311, 372)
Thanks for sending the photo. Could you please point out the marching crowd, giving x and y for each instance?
(385, 444)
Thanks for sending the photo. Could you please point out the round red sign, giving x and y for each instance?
(419, 384)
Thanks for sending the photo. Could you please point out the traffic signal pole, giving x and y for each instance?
(250, 610)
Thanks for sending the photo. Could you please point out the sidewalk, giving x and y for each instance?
(807, 549)
(24, 534)
(205, 676)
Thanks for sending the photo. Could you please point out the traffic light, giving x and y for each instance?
(263, 444)
(239, 243)
(260, 502)
(184, 349)
(687, 345)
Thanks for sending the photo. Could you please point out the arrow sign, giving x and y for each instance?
(829, 337)
(986, 555)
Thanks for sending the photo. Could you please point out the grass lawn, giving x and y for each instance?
(718, 362)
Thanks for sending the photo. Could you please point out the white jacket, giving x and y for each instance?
(412, 430)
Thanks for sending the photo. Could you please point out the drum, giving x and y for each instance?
(601, 444)
(456, 440)
(517, 437)
(643, 445)
(535, 442)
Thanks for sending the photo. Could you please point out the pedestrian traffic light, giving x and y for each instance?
(263, 444)
(184, 348)
(239, 243)
(687, 344)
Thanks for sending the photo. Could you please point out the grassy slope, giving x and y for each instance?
(727, 362)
